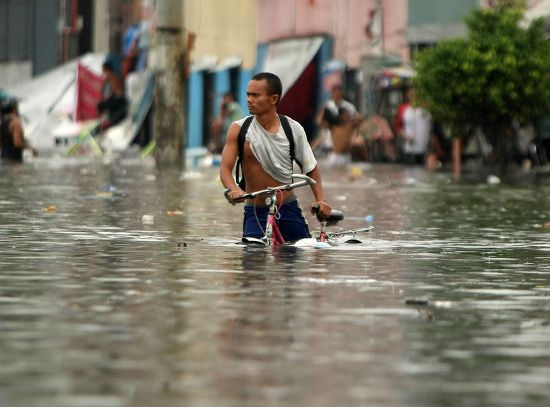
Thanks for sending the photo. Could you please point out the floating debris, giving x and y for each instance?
(493, 180)
(148, 219)
(50, 209)
(174, 213)
(417, 301)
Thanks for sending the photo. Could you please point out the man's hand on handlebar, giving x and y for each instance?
(321, 209)
(234, 196)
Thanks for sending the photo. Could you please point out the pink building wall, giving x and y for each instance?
(345, 20)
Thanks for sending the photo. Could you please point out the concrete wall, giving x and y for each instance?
(14, 73)
(433, 20)
(29, 39)
(223, 29)
(345, 20)
(100, 30)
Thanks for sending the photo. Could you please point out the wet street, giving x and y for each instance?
(445, 303)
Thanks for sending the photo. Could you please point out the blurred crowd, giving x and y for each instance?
(413, 137)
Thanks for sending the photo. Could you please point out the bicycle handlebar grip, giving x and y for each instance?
(239, 199)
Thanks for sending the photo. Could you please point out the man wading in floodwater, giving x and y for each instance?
(267, 161)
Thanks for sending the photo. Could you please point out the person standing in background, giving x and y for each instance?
(416, 131)
(12, 140)
(230, 111)
(114, 105)
(342, 119)
(404, 105)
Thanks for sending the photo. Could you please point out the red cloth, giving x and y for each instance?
(299, 101)
(88, 93)
(399, 116)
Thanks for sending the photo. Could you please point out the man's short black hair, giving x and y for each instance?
(274, 85)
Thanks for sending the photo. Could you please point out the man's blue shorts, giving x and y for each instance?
(291, 221)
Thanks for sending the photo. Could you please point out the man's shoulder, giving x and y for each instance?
(350, 107)
(241, 121)
(408, 110)
(330, 104)
(290, 119)
(13, 119)
(295, 126)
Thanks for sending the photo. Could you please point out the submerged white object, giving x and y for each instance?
(321, 245)
(311, 242)
(493, 180)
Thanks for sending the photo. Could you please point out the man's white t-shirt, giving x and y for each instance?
(417, 124)
(273, 150)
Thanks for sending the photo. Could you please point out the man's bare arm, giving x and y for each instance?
(317, 189)
(17, 131)
(229, 158)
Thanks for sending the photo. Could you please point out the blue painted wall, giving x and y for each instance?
(222, 84)
(195, 110)
(245, 76)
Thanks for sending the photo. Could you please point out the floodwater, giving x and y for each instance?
(446, 303)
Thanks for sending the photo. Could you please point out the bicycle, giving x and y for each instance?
(272, 235)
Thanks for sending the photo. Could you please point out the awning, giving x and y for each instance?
(288, 58)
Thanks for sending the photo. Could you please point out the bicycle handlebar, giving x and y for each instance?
(305, 180)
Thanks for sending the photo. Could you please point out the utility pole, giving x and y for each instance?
(167, 60)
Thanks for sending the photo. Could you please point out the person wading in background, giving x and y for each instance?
(342, 119)
(12, 139)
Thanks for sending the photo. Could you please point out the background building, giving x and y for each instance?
(311, 44)
(38, 35)
(27, 52)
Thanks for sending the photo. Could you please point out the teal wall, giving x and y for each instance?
(195, 110)
(440, 11)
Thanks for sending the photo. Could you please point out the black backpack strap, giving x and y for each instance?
(242, 137)
(290, 137)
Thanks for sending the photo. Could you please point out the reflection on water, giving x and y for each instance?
(100, 309)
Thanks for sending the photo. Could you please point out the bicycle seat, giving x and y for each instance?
(333, 219)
